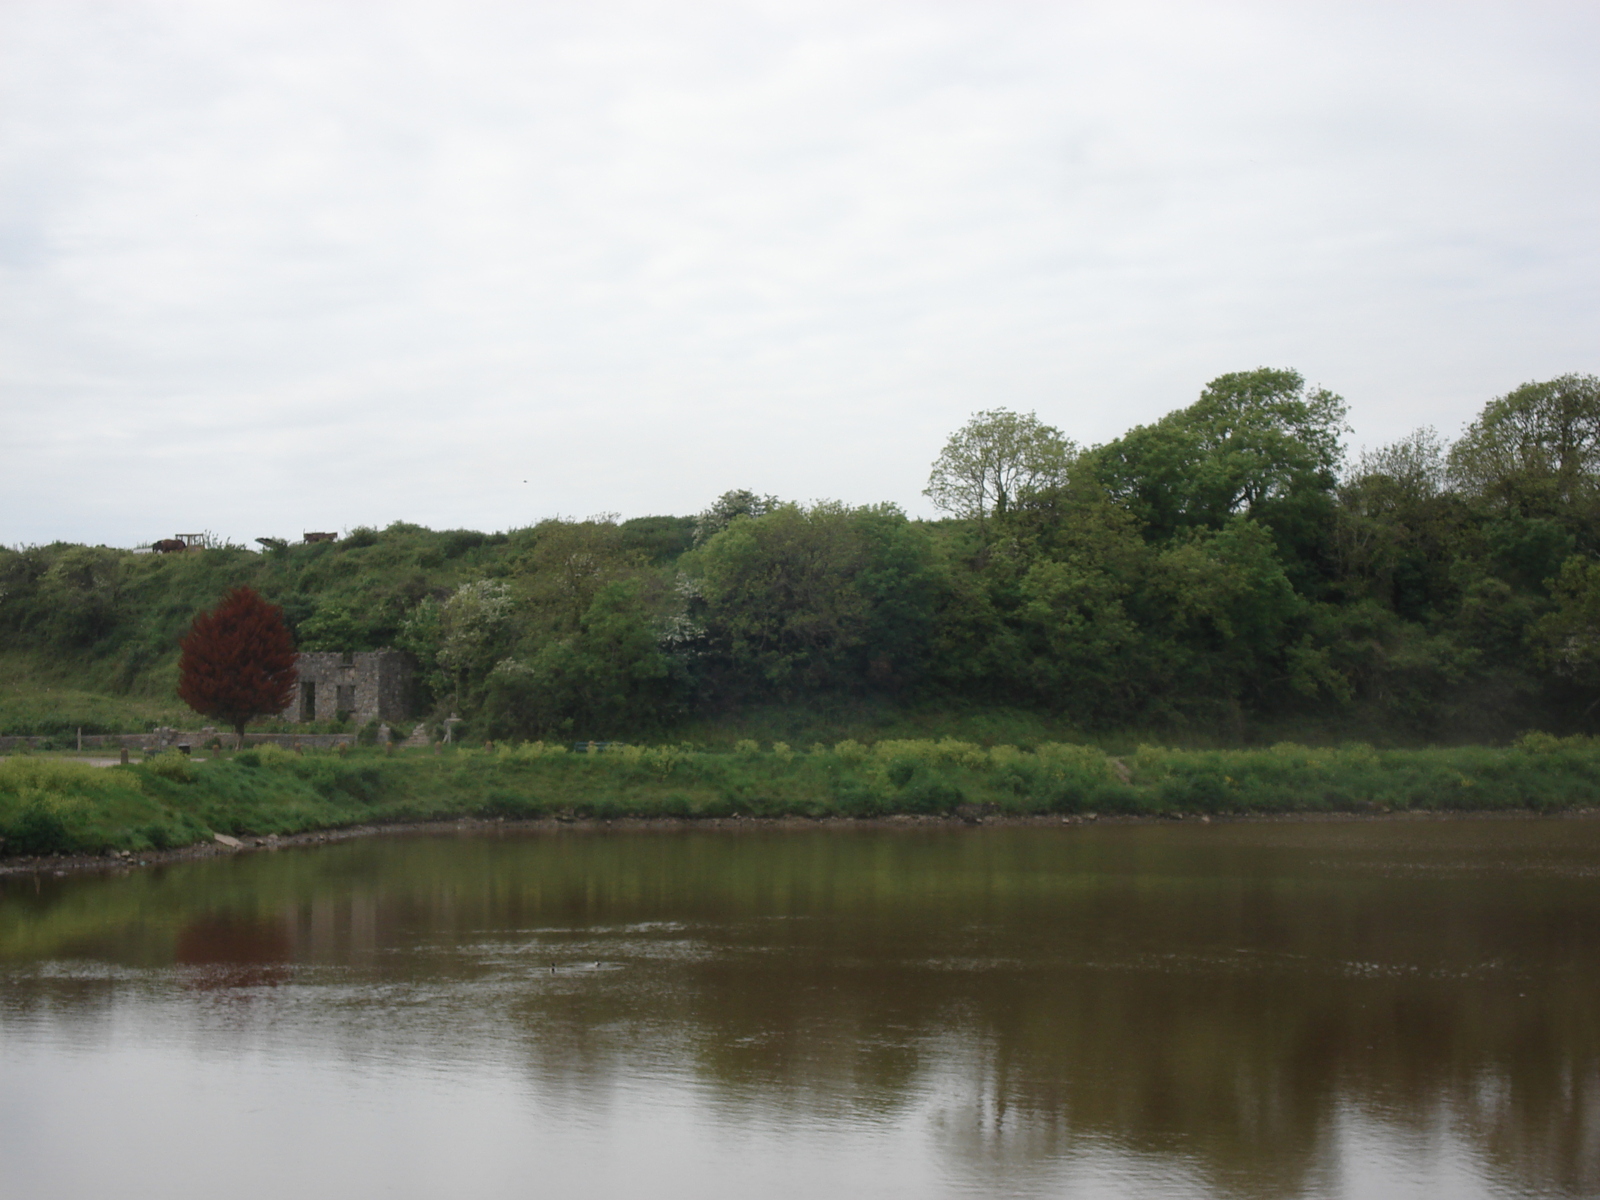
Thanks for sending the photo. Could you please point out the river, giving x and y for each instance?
(1375, 1009)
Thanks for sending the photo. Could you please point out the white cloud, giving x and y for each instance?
(272, 267)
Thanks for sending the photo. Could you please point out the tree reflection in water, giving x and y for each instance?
(1229, 1005)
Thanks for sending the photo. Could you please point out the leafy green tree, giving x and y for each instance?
(1535, 449)
(1398, 531)
(563, 567)
(332, 627)
(1256, 444)
(1527, 551)
(422, 635)
(996, 459)
(659, 540)
(474, 625)
(1043, 619)
(608, 678)
(903, 579)
(728, 508)
(82, 591)
(1085, 649)
(804, 599)
(1407, 471)
(1364, 653)
(1224, 604)
(1568, 639)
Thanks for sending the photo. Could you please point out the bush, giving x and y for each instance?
(172, 766)
(38, 830)
(931, 795)
(162, 836)
(1114, 798)
(1202, 789)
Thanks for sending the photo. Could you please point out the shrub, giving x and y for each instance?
(1090, 760)
(1200, 789)
(531, 751)
(930, 795)
(161, 835)
(38, 829)
(172, 766)
(1114, 798)
(851, 751)
(676, 804)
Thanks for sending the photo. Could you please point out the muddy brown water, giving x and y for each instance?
(1256, 1010)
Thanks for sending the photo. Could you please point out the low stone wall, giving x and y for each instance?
(164, 738)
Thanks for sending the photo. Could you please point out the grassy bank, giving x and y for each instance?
(55, 805)
(42, 696)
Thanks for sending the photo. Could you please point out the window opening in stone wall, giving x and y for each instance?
(345, 704)
(308, 700)
(347, 659)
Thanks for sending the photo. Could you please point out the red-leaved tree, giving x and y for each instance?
(238, 661)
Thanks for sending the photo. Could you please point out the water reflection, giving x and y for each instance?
(1269, 1010)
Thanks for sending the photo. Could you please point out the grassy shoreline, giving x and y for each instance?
(53, 805)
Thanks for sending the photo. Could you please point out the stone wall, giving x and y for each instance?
(163, 739)
(367, 686)
(374, 685)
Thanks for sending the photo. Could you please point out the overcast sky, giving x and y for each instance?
(275, 267)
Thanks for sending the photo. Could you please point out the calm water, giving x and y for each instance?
(1362, 1010)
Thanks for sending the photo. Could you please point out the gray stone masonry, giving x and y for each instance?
(164, 739)
(365, 686)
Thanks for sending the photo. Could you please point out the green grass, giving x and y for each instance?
(54, 805)
(40, 696)
(997, 724)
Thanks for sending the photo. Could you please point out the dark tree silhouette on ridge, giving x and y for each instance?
(238, 661)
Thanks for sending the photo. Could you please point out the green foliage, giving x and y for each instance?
(995, 460)
(1253, 443)
(609, 677)
(728, 508)
(814, 599)
(1256, 444)
(1207, 577)
(172, 766)
(1535, 450)
(659, 540)
(49, 807)
(1568, 639)
(332, 626)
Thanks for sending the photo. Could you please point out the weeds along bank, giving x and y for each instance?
(57, 806)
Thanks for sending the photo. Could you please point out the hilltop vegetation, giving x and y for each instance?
(1223, 574)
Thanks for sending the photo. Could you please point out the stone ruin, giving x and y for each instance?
(360, 687)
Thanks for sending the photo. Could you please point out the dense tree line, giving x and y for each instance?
(1224, 567)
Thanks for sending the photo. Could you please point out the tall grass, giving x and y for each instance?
(45, 696)
(52, 806)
